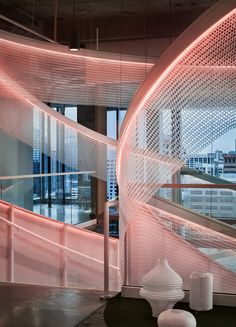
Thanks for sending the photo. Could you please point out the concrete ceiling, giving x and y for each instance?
(44, 9)
(116, 19)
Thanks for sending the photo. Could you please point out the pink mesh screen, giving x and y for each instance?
(35, 72)
(37, 250)
(53, 74)
(191, 88)
(186, 102)
(188, 247)
(4, 243)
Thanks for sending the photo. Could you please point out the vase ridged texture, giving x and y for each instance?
(162, 287)
(201, 291)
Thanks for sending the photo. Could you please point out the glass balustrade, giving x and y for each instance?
(65, 197)
(209, 196)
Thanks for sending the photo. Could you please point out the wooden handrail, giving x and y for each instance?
(230, 186)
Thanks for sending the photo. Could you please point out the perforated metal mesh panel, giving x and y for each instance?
(33, 73)
(187, 101)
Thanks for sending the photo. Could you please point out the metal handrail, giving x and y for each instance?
(46, 175)
(54, 243)
(195, 185)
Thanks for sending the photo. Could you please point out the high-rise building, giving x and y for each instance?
(229, 163)
(217, 203)
(209, 163)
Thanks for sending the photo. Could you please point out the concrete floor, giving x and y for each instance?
(39, 306)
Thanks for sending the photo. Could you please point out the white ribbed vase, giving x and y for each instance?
(162, 287)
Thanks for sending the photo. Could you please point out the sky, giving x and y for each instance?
(225, 143)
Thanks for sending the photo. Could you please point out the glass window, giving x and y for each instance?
(71, 112)
(211, 192)
(210, 207)
(115, 117)
(196, 199)
(196, 192)
(122, 114)
(226, 208)
(111, 124)
(228, 199)
(226, 193)
(59, 196)
(211, 199)
(195, 206)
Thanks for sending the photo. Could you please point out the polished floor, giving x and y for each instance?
(95, 320)
(39, 306)
(127, 312)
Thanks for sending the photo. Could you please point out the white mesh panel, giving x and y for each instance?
(186, 102)
(35, 72)
(52, 253)
(153, 234)
(52, 74)
(32, 122)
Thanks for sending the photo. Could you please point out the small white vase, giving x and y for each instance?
(162, 287)
(177, 318)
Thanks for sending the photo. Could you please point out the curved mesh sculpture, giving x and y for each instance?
(186, 102)
(33, 73)
(191, 87)
(53, 74)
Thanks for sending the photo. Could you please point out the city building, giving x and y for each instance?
(217, 203)
(210, 163)
(112, 191)
(229, 163)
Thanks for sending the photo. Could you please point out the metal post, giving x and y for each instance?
(107, 205)
(64, 257)
(55, 20)
(177, 137)
(176, 192)
(97, 46)
(11, 247)
(106, 250)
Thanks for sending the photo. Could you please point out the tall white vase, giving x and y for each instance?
(162, 287)
(201, 291)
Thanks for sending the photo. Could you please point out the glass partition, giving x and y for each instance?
(45, 252)
(66, 199)
(216, 199)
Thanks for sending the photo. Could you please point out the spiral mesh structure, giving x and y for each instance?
(52, 74)
(186, 102)
(188, 247)
(191, 88)
(34, 73)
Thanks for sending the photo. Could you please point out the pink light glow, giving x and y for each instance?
(18, 123)
(167, 119)
(63, 51)
(40, 254)
(161, 240)
(156, 134)
(85, 74)
(155, 78)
